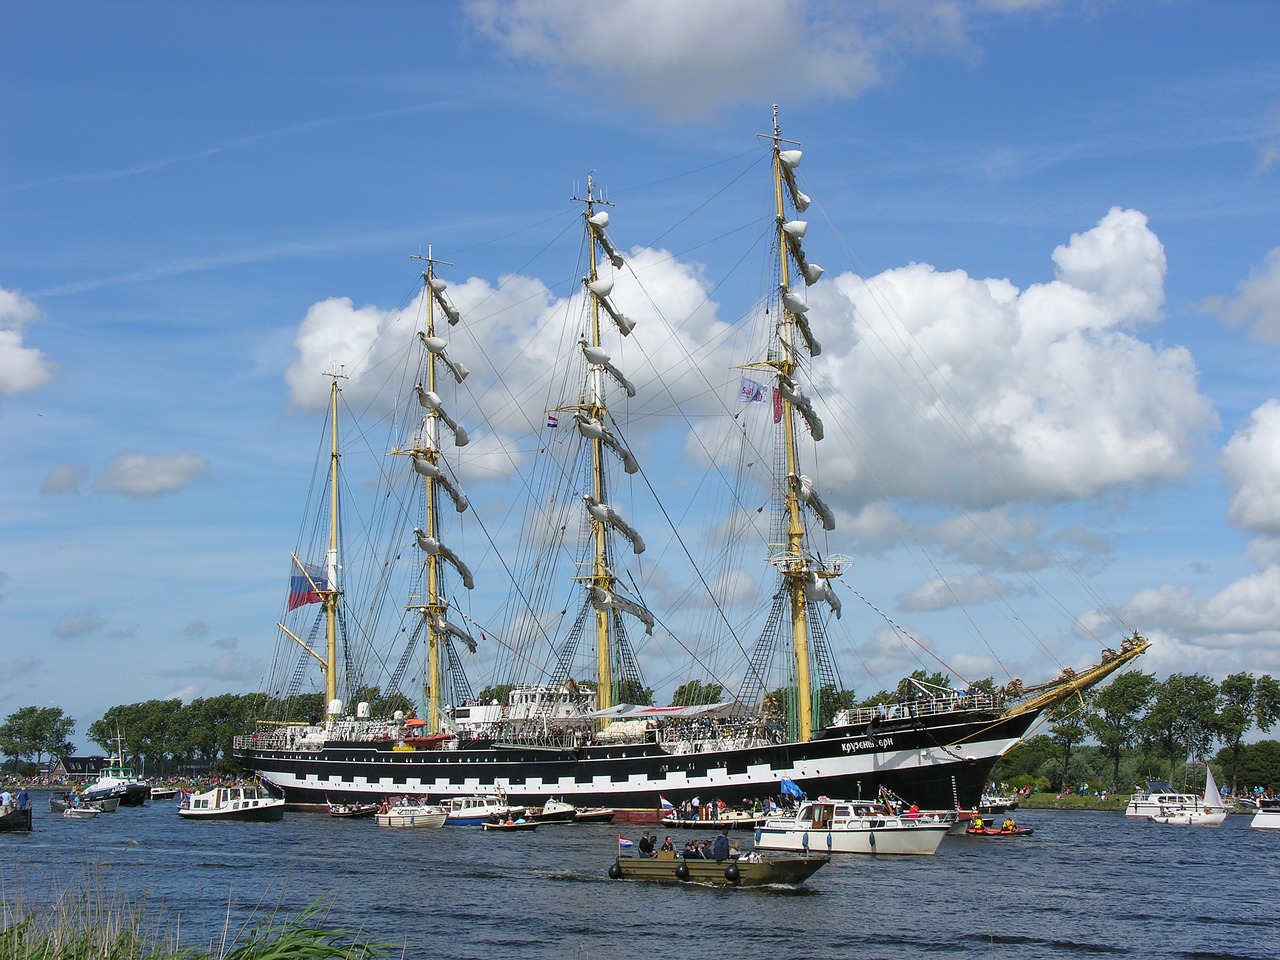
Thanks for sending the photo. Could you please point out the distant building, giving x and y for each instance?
(78, 768)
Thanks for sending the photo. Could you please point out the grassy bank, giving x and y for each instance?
(1070, 801)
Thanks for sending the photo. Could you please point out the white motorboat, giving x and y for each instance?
(1157, 797)
(80, 813)
(1268, 815)
(474, 810)
(407, 812)
(846, 826)
(235, 802)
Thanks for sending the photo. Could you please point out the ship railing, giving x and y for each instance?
(955, 702)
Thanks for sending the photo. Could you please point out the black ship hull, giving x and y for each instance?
(938, 762)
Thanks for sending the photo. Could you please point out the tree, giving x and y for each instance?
(496, 693)
(831, 701)
(696, 692)
(1266, 702)
(1117, 708)
(35, 731)
(1069, 728)
(1239, 698)
(1183, 718)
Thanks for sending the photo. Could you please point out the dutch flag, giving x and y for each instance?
(666, 804)
(624, 842)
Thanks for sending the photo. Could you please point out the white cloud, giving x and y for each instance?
(688, 58)
(1257, 300)
(73, 625)
(1251, 464)
(65, 477)
(133, 474)
(22, 368)
(1058, 398)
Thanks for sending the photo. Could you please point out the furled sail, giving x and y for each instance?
(593, 429)
(438, 288)
(432, 470)
(799, 312)
(599, 358)
(436, 346)
(819, 588)
(442, 626)
(431, 545)
(606, 514)
(431, 401)
(795, 396)
(809, 496)
(604, 599)
(600, 289)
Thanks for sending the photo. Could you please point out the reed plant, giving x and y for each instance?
(87, 920)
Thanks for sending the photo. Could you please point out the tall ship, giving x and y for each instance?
(570, 714)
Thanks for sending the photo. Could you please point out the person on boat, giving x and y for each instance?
(1009, 825)
(23, 800)
(691, 851)
(646, 845)
(913, 812)
(977, 822)
(720, 849)
(735, 850)
(668, 844)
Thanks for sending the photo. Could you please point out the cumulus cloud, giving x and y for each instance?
(65, 477)
(1251, 464)
(685, 59)
(133, 474)
(1257, 300)
(22, 368)
(72, 626)
(1050, 384)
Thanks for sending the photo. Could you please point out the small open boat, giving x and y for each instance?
(57, 804)
(998, 832)
(509, 825)
(163, 792)
(786, 871)
(15, 819)
(352, 810)
(85, 812)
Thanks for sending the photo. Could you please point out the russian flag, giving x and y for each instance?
(306, 588)
(666, 804)
(624, 842)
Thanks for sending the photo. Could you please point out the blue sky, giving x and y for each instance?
(186, 191)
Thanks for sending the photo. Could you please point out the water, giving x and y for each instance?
(1084, 885)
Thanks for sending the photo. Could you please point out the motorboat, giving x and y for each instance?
(80, 813)
(751, 870)
(475, 810)
(553, 811)
(1157, 797)
(846, 826)
(1268, 815)
(407, 812)
(235, 802)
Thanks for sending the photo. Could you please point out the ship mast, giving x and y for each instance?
(425, 452)
(331, 595)
(804, 578)
(591, 416)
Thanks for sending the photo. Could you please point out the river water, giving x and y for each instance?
(1086, 884)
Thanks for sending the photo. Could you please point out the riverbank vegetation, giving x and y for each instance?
(89, 921)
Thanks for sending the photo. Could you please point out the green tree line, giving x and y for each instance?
(1148, 729)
